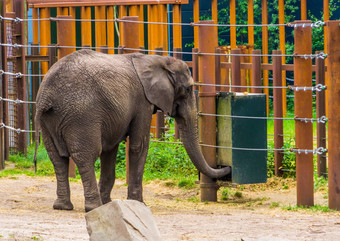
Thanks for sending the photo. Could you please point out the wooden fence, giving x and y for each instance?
(103, 31)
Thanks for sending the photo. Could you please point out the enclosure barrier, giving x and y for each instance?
(305, 56)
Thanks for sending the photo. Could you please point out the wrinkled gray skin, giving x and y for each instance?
(89, 102)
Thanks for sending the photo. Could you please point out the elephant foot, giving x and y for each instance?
(62, 205)
(92, 205)
(106, 200)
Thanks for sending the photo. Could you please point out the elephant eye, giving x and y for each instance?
(189, 89)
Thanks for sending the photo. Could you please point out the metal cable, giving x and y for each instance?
(295, 25)
(17, 101)
(322, 119)
(312, 56)
(2, 125)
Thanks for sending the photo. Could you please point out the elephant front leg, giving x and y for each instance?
(138, 151)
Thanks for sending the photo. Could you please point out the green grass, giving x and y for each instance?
(315, 208)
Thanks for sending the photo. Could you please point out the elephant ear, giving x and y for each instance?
(157, 80)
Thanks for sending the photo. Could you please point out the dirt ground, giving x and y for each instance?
(26, 213)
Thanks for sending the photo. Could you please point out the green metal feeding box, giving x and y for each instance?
(248, 166)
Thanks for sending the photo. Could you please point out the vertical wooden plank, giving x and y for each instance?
(4, 54)
(236, 70)
(196, 16)
(86, 33)
(35, 25)
(321, 111)
(233, 42)
(333, 73)
(283, 50)
(325, 34)
(100, 26)
(72, 11)
(122, 13)
(45, 36)
(264, 9)
(141, 26)
(303, 109)
(177, 30)
(278, 111)
(207, 99)
(110, 29)
(218, 69)
(65, 38)
(256, 71)
(303, 9)
(164, 28)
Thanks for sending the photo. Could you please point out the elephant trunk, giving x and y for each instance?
(189, 137)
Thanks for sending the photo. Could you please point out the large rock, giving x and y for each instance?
(123, 220)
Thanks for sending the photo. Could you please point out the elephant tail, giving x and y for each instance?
(39, 111)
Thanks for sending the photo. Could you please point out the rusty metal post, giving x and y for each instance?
(321, 111)
(65, 38)
(256, 71)
(303, 109)
(235, 70)
(333, 73)
(130, 39)
(20, 67)
(160, 114)
(177, 55)
(278, 111)
(207, 104)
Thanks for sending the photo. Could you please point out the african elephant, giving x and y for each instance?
(89, 102)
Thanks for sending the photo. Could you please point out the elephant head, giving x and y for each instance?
(168, 85)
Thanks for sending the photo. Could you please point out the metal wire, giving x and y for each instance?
(319, 55)
(295, 25)
(2, 125)
(322, 119)
(17, 101)
(19, 75)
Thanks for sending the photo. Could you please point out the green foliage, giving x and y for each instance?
(315, 208)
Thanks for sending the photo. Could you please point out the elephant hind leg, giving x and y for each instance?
(61, 165)
(107, 173)
(85, 163)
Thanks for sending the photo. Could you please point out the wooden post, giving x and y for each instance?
(177, 55)
(233, 42)
(207, 104)
(65, 38)
(20, 67)
(256, 71)
(4, 85)
(264, 9)
(160, 114)
(45, 36)
(303, 9)
(86, 35)
(235, 70)
(195, 66)
(303, 109)
(110, 30)
(196, 19)
(218, 69)
(321, 111)
(278, 111)
(333, 73)
(130, 39)
(177, 29)
(283, 50)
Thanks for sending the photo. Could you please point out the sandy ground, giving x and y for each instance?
(26, 213)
